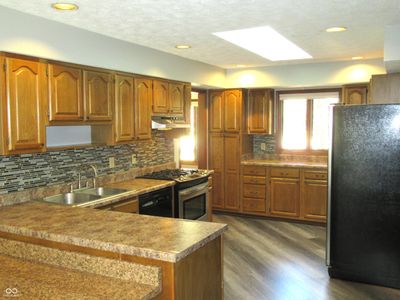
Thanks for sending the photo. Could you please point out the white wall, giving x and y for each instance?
(392, 48)
(26, 34)
(306, 75)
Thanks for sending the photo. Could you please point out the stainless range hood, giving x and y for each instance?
(168, 122)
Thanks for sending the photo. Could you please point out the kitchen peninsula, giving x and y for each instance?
(182, 257)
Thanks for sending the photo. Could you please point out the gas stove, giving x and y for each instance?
(179, 175)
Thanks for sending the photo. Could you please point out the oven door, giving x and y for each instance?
(193, 202)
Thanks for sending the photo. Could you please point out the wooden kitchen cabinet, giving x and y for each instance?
(160, 97)
(98, 95)
(260, 111)
(176, 98)
(385, 88)
(188, 102)
(232, 110)
(216, 161)
(355, 94)
(314, 195)
(65, 93)
(216, 111)
(124, 109)
(284, 192)
(254, 189)
(232, 171)
(143, 100)
(24, 105)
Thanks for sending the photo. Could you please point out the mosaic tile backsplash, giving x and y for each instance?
(269, 144)
(20, 172)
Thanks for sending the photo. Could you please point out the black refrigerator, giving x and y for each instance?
(363, 229)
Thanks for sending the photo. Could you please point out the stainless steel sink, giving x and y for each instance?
(84, 195)
(103, 191)
(72, 198)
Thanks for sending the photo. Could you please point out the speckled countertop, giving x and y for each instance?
(30, 280)
(165, 239)
(283, 163)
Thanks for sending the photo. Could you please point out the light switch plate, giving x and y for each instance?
(263, 146)
(133, 159)
(111, 162)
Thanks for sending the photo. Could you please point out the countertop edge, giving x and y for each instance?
(311, 165)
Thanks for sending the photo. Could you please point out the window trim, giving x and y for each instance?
(308, 150)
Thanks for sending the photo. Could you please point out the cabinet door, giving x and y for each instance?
(143, 100)
(216, 111)
(385, 88)
(66, 99)
(314, 202)
(124, 109)
(98, 96)
(284, 199)
(160, 97)
(260, 112)
(355, 94)
(216, 160)
(188, 102)
(26, 98)
(232, 110)
(232, 171)
(176, 98)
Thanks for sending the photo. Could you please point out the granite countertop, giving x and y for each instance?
(30, 280)
(165, 239)
(284, 163)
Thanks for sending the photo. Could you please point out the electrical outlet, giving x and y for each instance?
(263, 146)
(133, 159)
(111, 162)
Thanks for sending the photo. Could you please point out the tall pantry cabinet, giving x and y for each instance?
(226, 145)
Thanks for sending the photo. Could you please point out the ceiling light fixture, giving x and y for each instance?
(357, 57)
(264, 41)
(241, 66)
(183, 46)
(336, 29)
(64, 6)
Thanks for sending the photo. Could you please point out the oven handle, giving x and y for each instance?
(192, 190)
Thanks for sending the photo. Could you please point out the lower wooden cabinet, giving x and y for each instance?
(292, 193)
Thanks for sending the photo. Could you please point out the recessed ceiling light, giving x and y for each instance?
(265, 42)
(183, 46)
(241, 66)
(336, 29)
(357, 57)
(65, 6)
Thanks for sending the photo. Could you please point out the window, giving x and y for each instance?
(304, 120)
(188, 148)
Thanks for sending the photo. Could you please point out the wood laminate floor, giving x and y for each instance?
(266, 259)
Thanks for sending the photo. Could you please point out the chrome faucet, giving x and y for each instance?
(95, 174)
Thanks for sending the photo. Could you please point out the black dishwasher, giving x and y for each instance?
(157, 203)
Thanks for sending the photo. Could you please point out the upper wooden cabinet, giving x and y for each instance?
(232, 110)
(143, 100)
(98, 95)
(65, 93)
(124, 109)
(160, 97)
(168, 98)
(260, 111)
(188, 101)
(355, 94)
(176, 98)
(385, 88)
(216, 111)
(225, 111)
(26, 98)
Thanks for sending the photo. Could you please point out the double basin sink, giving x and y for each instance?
(85, 195)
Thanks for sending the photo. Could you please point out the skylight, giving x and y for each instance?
(265, 42)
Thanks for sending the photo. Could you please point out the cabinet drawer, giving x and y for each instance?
(254, 205)
(254, 191)
(318, 175)
(251, 170)
(285, 172)
(254, 179)
(129, 206)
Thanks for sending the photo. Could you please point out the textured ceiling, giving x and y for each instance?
(163, 24)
